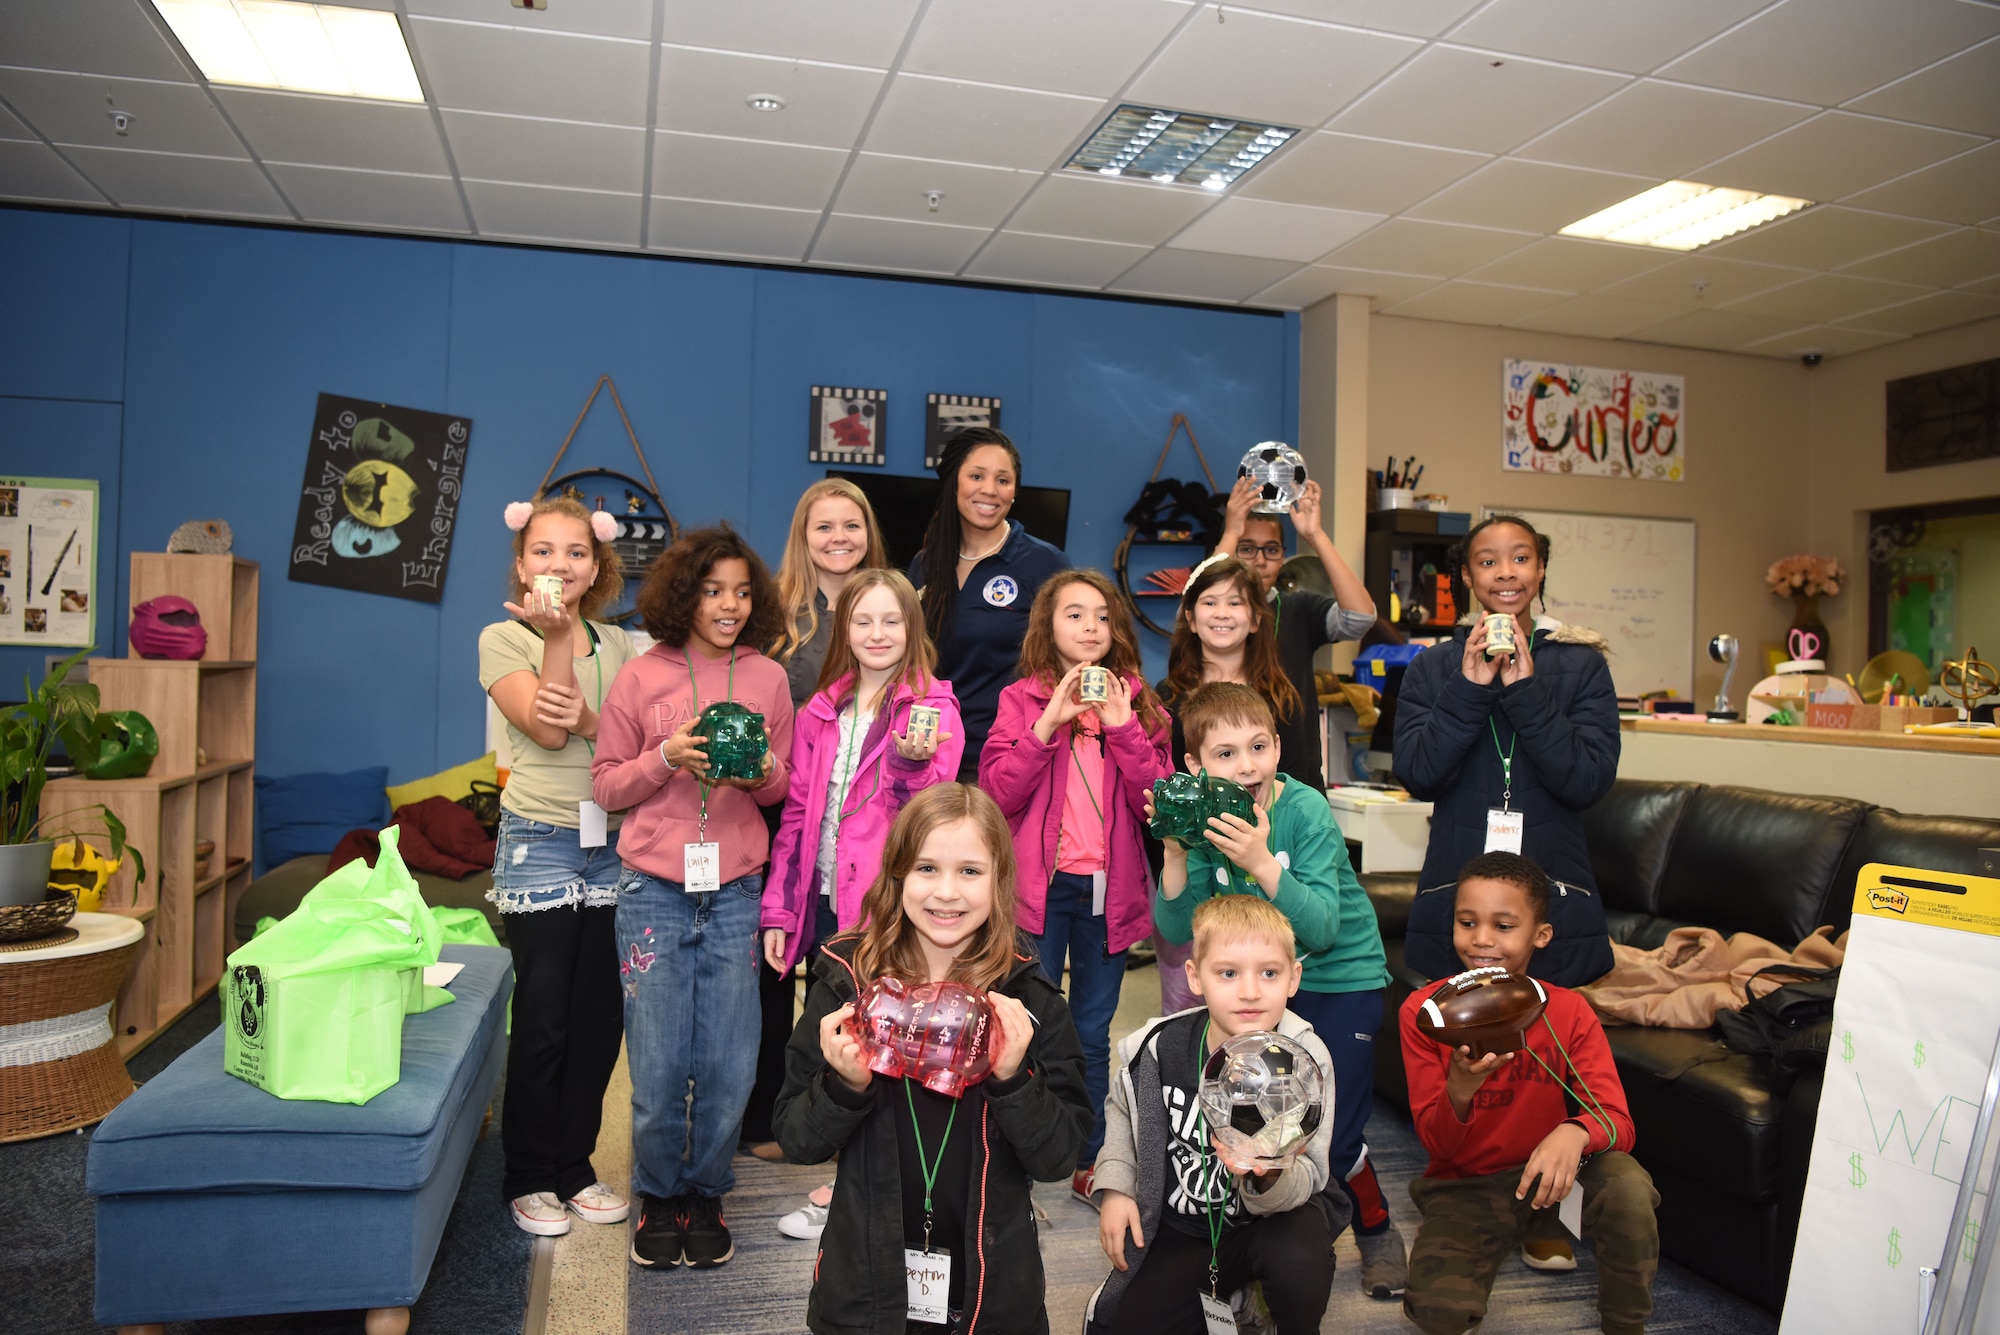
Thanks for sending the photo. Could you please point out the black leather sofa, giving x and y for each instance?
(1726, 1146)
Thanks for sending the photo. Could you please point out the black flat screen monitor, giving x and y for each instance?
(903, 507)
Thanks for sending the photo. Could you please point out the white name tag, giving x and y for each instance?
(701, 868)
(1097, 894)
(1216, 1316)
(1503, 830)
(591, 829)
(930, 1284)
(1570, 1211)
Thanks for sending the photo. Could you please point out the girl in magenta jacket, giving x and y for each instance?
(1073, 777)
(856, 761)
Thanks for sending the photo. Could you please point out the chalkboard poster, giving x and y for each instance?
(380, 499)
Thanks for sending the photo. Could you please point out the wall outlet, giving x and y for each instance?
(81, 672)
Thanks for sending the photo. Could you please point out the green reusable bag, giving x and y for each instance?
(314, 1005)
(464, 927)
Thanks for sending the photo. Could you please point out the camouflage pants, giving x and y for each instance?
(1471, 1224)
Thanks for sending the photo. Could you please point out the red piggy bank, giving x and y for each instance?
(939, 1034)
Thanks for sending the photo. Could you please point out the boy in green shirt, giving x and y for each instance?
(1296, 857)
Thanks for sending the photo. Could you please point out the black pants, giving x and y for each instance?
(778, 996)
(1291, 1253)
(569, 1016)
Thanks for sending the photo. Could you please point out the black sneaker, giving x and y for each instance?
(661, 1237)
(708, 1241)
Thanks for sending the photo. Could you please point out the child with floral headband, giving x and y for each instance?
(555, 866)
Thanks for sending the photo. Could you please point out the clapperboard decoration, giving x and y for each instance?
(949, 413)
(847, 426)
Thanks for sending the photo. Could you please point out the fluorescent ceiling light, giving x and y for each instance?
(1176, 147)
(1684, 215)
(304, 48)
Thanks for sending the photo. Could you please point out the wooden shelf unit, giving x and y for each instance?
(200, 787)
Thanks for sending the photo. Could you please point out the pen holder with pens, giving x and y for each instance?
(1184, 803)
(736, 743)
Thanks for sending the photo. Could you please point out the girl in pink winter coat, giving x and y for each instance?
(1073, 777)
(856, 760)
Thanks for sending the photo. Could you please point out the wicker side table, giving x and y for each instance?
(59, 1063)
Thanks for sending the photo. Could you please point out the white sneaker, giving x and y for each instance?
(805, 1223)
(599, 1204)
(541, 1214)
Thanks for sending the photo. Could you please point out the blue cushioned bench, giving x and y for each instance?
(215, 1199)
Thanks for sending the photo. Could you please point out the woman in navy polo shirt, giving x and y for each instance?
(979, 572)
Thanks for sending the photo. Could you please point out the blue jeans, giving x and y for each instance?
(1346, 1022)
(1095, 975)
(689, 964)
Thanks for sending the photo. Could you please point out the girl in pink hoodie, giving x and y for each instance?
(856, 760)
(1073, 777)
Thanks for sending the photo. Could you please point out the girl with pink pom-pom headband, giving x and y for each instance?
(602, 525)
(606, 582)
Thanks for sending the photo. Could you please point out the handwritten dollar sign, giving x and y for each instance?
(1895, 1247)
(1847, 1045)
(1854, 1173)
(1917, 1058)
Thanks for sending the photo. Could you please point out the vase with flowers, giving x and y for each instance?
(1805, 579)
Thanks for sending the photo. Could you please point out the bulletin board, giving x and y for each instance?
(48, 561)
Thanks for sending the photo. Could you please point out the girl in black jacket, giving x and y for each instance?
(921, 1171)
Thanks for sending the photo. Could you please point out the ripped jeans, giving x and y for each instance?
(689, 967)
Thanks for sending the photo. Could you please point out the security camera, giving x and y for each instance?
(1812, 358)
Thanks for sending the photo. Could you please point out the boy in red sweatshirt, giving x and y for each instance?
(1511, 1134)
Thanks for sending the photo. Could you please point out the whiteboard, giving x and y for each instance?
(1632, 581)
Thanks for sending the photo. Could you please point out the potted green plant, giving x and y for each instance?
(59, 710)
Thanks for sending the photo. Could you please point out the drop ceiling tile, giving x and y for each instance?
(485, 67)
(1630, 35)
(1438, 250)
(1529, 196)
(29, 170)
(1316, 282)
(183, 184)
(1063, 261)
(1422, 18)
(1826, 340)
(1835, 154)
(1965, 189)
(1939, 310)
(337, 131)
(1825, 298)
(891, 243)
(854, 32)
(373, 199)
(1962, 93)
(1463, 99)
(1263, 66)
(1718, 280)
(1102, 44)
(1988, 286)
(101, 36)
(12, 128)
(1827, 51)
(1952, 260)
(1663, 130)
(969, 122)
(1567, 264)
(543, 152)
(887, 187)
(728, 229)
(604, 18)
(1095, 209)
(791, 176)
(1594, 317)
(1721, 330)
(76, 109)
(1340, 171)
(1201, 276)
(541, 213)
(1273, 231)
(703, 92)
(1826, 238)
(1475, 303)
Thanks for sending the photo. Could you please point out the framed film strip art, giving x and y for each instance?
(848, 426)
(948, 413)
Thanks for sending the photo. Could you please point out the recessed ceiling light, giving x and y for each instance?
(304, 48)
(1177, 147)
(1684, 215)
(764, 102)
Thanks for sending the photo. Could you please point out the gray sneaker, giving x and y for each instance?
(1385, 1265)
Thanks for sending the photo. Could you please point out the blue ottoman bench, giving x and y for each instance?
(215, 1199)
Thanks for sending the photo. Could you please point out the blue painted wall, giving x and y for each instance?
(179, 363)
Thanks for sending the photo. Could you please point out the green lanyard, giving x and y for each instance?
(841, 811)
(930, 1167)
(1215, 1214)
(695, 692)
(1506, 763)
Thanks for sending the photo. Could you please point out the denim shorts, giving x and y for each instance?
(538, 866)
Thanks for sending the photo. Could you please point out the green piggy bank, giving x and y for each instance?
(736, 743)
(1183, 803)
